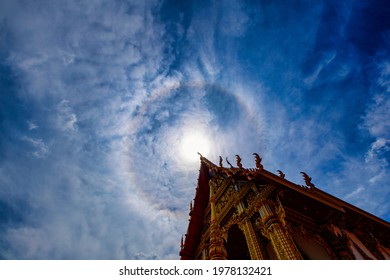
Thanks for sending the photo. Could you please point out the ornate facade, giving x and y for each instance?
(252, 213)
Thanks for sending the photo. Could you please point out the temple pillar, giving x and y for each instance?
(280, 238)
(217, 248)
(250, 235)
(251, 240)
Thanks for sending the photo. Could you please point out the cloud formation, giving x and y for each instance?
(96, 101)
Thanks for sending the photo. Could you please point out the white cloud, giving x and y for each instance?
(67, 120)
(356, 192)
(377, 118)
(77, 63)
(32, 125)
(102, 73)
(40, 149)
(379, 146)
(327, 59)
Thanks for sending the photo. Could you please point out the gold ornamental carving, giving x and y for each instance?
(224, 200)
(217, 249)
(251, 239)
(272, 227)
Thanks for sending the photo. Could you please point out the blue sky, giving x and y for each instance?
(98, 97)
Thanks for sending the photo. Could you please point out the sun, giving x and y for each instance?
(192, 143)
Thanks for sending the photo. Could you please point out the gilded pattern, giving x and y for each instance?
(224, 200)
(250, 236)
(249, 198)
(281, 240)
(272, 222)
(217, 249)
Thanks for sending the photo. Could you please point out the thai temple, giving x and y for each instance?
(250, 213)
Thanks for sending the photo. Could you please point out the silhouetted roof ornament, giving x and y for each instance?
(258, 160)
(307, 180)
(238, 160)
(220, 162)
(229, 163)
(281, 174)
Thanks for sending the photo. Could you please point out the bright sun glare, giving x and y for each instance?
(193, 143)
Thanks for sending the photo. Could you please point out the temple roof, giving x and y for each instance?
(302, 193)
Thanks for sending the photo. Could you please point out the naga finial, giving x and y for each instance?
(281, 174)
(229, 163)
(220, 161)
(258, 160)
(238, 160)
(200, 155)
(307, 180)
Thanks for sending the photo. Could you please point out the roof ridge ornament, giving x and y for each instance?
(281, 174)
(229, 163)
(308, 180)
(238, 160)
(258, 160)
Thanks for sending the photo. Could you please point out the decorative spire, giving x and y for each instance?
(258, 160)
(182, 243)
(307, 180)
(238, 160)
(220, 161)
(281, 174)
(229, 163)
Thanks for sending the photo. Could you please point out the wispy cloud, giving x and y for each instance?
(376, 121)
(356, 192)
(108, 92)
(76, 65)
(39, 148)
(67, 120)
(32, 125)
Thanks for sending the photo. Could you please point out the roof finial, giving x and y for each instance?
(258, 160)
(281, 174)
(220, 161)
(229, 163)
(238, 160)
(307, 180)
